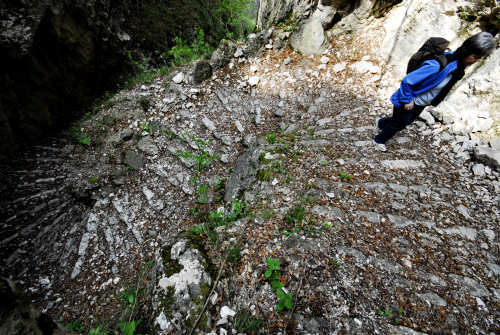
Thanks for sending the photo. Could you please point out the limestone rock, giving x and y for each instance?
(310, 38)
(488, 156)
(183, 285)
(202, 71)
(147, 146)
(222, 56)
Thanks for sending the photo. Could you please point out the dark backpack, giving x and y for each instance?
(433, 48)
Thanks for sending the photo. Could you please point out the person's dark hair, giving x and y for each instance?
(481, 44)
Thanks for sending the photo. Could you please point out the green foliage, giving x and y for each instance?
(344, 176)
(236, 17)
(234, 254)
(128, 327)
(202, 157)
(245, 322)
(183, 52)
(271, 138)
(295, 215)
(75, 326)
(94, 180)
(78, 137)
(100, 330)
(219, 218)
(202, 193)
(273, 275)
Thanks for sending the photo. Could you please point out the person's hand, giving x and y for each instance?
(409, 106)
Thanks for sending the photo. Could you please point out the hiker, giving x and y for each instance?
(430, 83)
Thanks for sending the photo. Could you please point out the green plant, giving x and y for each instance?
(327, 225)
(234, 254)
(75, 326)
(271, 138)
(169, 133)
(295, 215)
(183, 53)
(219, 189)
(202, 193)
(273, 275)
(245, 322)
(203, 157)
(94, 180)
(344, 176)
(129, 327)
(100, 330)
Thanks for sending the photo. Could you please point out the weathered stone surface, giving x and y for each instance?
(244, 172)
(223, 54)
(403, 164)
(183, 286)
(134, 160)
(309, 39)
(488, 156)
(147, 145)
(202, 71)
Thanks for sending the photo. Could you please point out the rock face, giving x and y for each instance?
(473, 104)
(58, 55)
(183, 285)
(310, 38)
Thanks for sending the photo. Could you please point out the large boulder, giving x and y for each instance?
(474, 104)
(310, 38)
(223, 54)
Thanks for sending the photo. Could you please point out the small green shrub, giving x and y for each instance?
(245, 322)
(273, 275)
(295, 215)
(183, 53)
(76, 326)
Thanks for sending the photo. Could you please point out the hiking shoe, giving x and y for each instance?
(380, 147)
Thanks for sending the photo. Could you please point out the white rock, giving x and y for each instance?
(339, 67)
(324, 60)
(208, 123)
(254, 80)
(226, 311)
(478, 170)
(239, 126)
(178, 78)
(163, 322)
(238, 53)
(253, 68)
(287, 61)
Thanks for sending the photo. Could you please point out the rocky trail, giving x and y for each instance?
(401, 241)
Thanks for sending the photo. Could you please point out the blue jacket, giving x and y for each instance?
(421, 80)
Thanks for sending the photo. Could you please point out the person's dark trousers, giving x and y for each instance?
(398, 121)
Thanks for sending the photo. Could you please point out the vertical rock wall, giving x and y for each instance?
(58, 55)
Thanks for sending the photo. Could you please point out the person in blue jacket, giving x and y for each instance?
(429, 84)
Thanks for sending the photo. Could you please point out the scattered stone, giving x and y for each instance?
(208, 123)
(403, 164)
(427, 117)
(253, 80)
(134, 160)
(478, 170)
(147, 146)
(202, 71)
(339, 67)
(433, 299)
(178, 78)
(287, 61)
